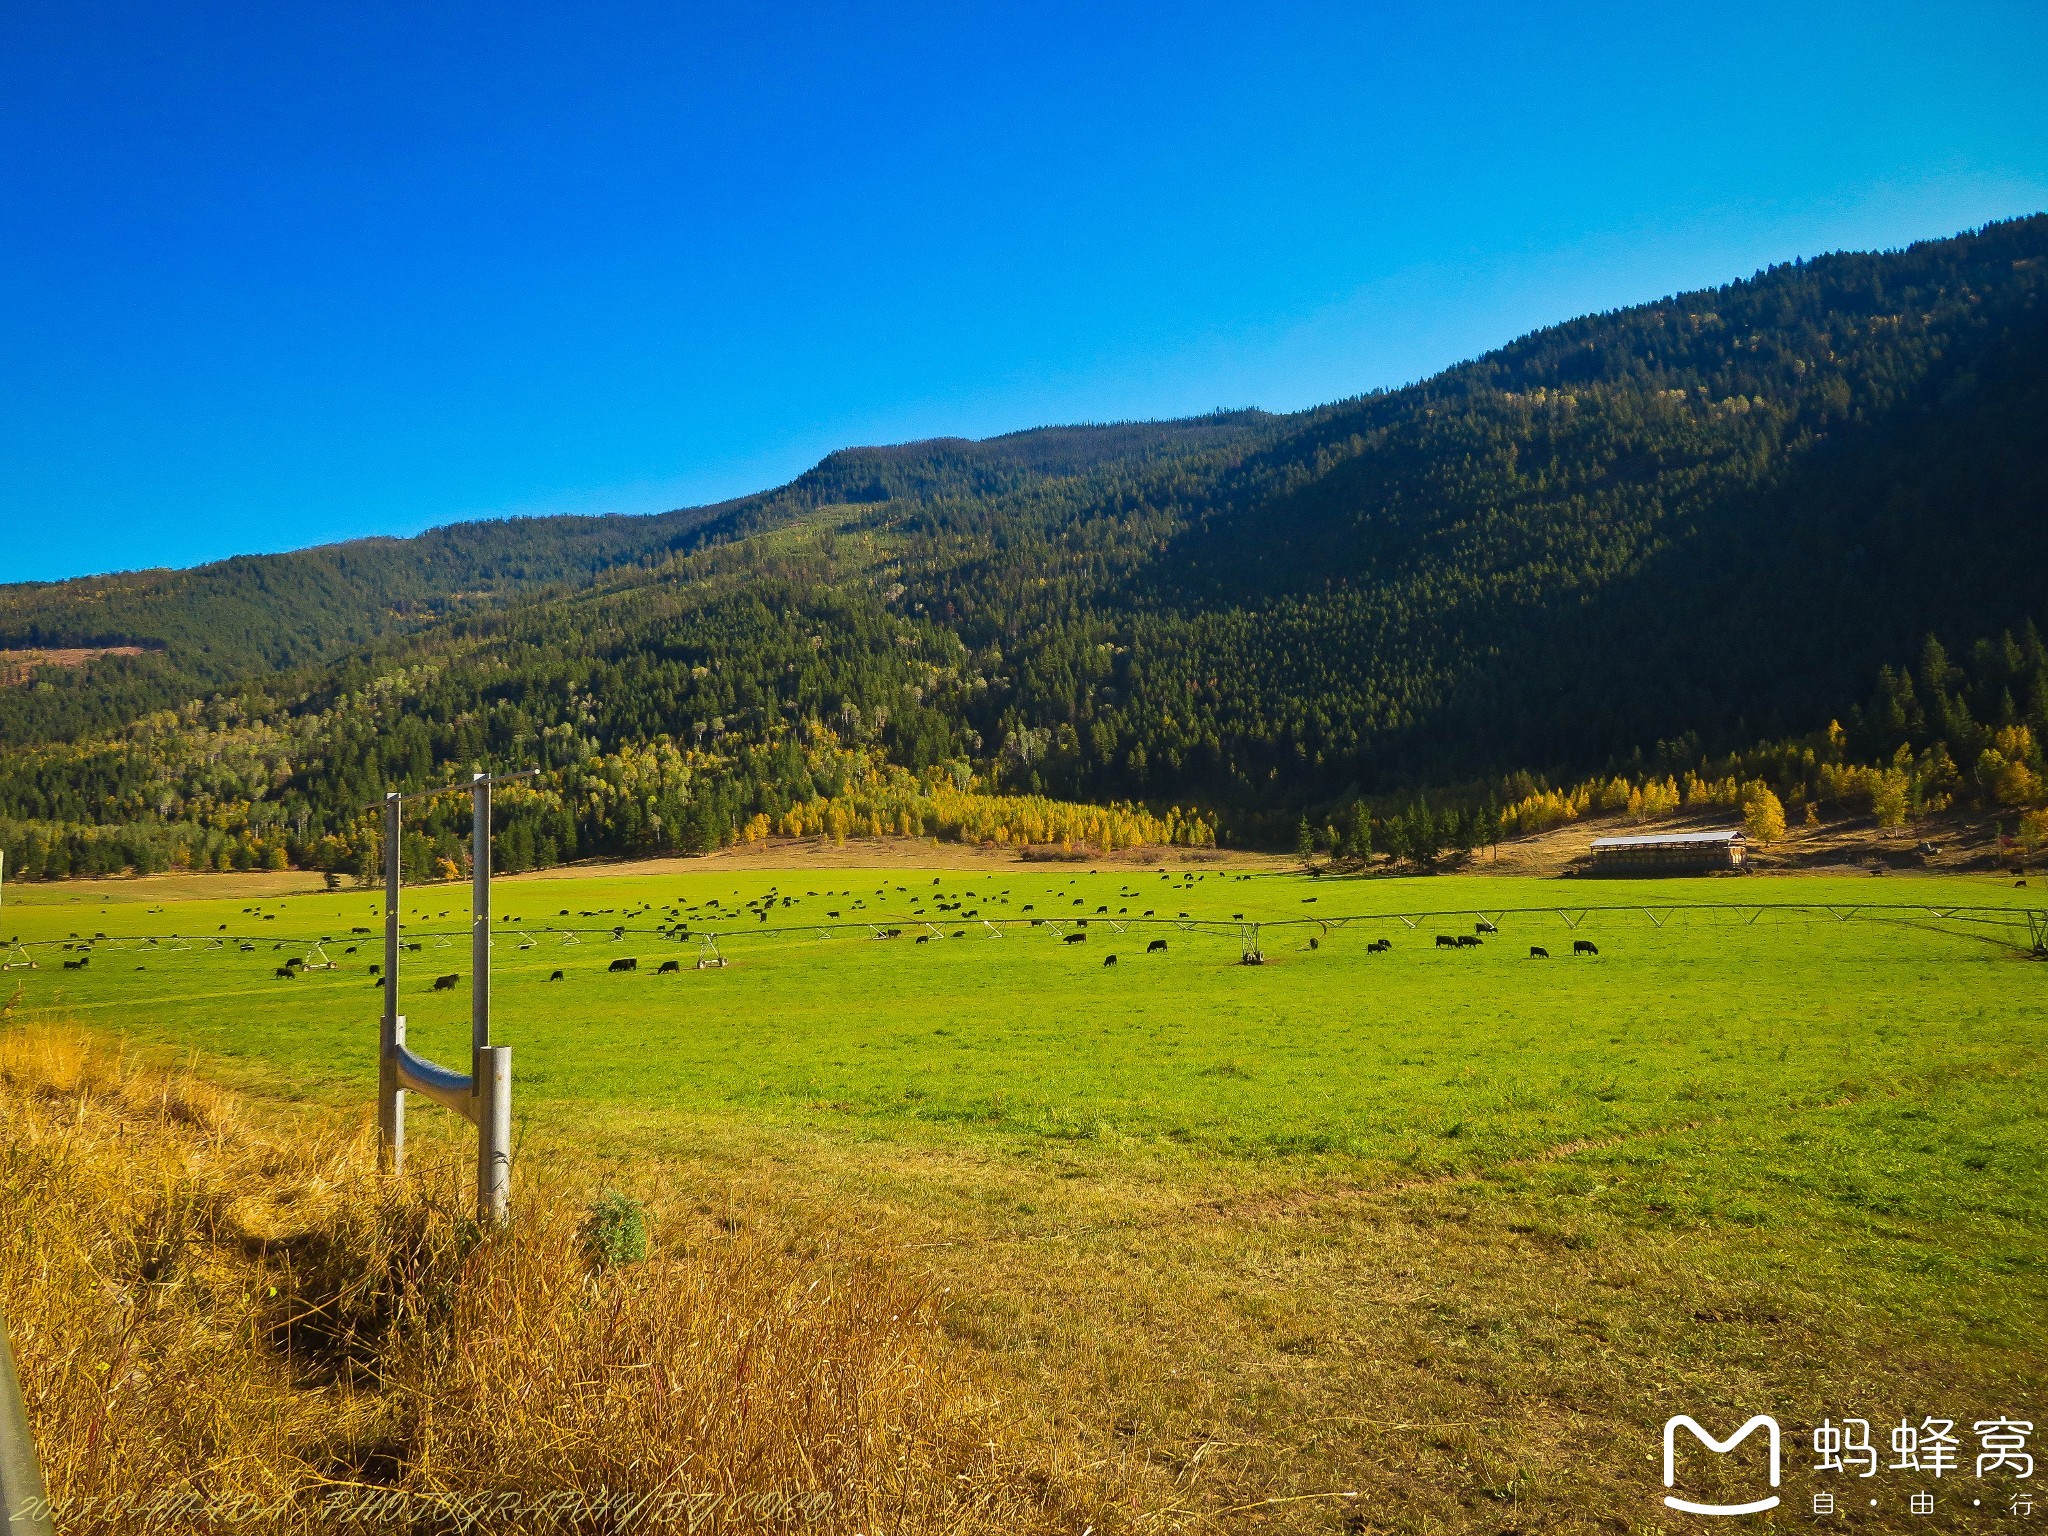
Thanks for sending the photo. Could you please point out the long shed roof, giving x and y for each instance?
(1671, 839)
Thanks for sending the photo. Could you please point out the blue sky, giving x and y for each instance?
(277, 274)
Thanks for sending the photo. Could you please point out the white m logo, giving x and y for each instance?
(1761, 1421)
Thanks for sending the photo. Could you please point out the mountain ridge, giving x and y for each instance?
(1628, 539)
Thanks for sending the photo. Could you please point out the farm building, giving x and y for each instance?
(1669, 853)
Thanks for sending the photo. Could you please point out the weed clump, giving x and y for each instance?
(614, 1231)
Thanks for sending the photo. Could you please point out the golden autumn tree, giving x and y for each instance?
(1763, 814)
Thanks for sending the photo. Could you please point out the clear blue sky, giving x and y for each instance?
(274, 274)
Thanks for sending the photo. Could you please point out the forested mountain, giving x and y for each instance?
(250, 617)
(216, 625)
(1626, 544)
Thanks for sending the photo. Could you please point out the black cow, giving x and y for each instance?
(447, 983)
(1538, 952)
(557, 976)
(1482, 926)
(1156, 947)
(1467, 941)
(670, 968)
(1075, 938)
(1109, 959)
(285, 973)
(77, 965)
(1445, 941)
(1315, 943)
(623, 965)
(1585, 947)
(924, 938)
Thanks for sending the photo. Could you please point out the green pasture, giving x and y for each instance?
(1419, 1057)
(1746, 1154)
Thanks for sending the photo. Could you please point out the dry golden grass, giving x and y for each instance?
(223, 1324)
(922, 854)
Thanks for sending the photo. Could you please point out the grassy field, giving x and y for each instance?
(1420, 1240)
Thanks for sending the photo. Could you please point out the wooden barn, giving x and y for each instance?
(1670, 853)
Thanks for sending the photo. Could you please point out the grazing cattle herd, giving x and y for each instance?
(1474, 940)
(1154, 947)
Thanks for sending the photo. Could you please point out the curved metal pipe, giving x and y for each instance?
(451, 1090)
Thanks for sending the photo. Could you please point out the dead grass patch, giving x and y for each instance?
(224, 1322)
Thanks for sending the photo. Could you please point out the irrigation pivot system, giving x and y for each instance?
(12, 955)
(2020, 928)
(484, 1096)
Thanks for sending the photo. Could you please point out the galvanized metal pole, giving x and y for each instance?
(479, 920)
(24, 1511)
(390, 1096)
(494, 1135)
(490, 1069)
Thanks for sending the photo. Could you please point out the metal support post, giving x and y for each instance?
(483, 1096)
(490, 1069)
(494, 1135)
(391, 1037)
(479, 923)
(24, 1511)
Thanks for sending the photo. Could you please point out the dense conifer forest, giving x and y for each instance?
(1790, 532)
